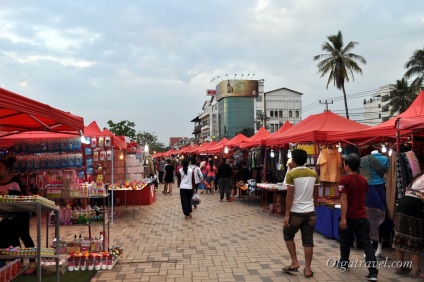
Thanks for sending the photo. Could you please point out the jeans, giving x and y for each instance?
(361, 227)
(224, 187)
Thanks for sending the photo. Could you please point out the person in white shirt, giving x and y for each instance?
(186, 188)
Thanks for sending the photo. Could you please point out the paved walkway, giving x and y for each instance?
(222, 242)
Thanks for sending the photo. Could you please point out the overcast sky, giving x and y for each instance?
(150, 62)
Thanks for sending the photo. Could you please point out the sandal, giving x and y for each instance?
(290, 269)
(417, 274)
(308, 276)
(31, 269)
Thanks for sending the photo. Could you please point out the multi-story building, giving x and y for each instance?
(377, 108)
(282, 105)
(242, 106)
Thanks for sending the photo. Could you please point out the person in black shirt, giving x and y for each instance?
(225, 173)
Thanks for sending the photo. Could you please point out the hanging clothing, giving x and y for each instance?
(414, 164)
(330, 163)
(391, 187)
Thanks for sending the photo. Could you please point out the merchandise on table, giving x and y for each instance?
(18, 251)
(31, 198)
(94, 260)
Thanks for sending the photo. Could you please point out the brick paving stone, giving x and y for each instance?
(222, 242)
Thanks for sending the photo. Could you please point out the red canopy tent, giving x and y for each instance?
(236, 140)
(116, 141)
(283, 128)
(256, 140)
(204, 146)
(412, 118)
(317, 127)
(20, 114)
(185, 149)
(218, 147)
(192, 149)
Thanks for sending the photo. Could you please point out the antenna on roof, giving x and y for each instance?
(213, 79)
(235, 76)
(242, 76)
(247, 77)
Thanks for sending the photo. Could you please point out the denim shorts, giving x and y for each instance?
(306, 223)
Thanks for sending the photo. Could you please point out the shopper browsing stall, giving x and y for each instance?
(18, 224)
(353, 188)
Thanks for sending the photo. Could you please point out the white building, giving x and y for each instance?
(282, 105)
(377, 108)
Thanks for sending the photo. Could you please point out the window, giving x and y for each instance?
(272, 127)
(290, 114)
(259, 98)
(297, 113)
(271, 113)
(385, 108)
(379, 106)
(280, 113)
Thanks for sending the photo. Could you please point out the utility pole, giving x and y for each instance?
(326, 102)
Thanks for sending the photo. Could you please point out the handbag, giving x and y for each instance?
(195, 199)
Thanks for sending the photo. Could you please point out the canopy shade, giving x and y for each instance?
(20, 114)
(256, 140)
(316, 128)
(218, 147)
(236, 140)
(411, 119)
(204, 146)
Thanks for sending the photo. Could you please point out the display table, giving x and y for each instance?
(145, 195)
(327, 223)
(278, 198)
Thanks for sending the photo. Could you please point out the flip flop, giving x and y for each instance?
(288, 269)
(308, 276)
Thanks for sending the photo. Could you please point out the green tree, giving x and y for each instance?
(339, 63)
(415, 66)
(122, 128)
(402, 96)
(143, 138)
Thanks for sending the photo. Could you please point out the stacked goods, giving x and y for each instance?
(94, 260)
(18, 251)
(32, 198)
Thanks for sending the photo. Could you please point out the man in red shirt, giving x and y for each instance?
(353, 190)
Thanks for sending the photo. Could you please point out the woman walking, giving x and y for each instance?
(186, 188)
(210, 178)
(169, 177)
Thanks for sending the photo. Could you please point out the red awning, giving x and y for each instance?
(411, 119)
(236, 140)
(20, 114)
(218, 147)
(256, 140)
(204, 146)
(315, 128)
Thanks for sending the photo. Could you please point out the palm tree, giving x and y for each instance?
(415, 66)
(402, 96)
(339, 63)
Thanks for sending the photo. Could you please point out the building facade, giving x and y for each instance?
(377, 108)
(243, 106)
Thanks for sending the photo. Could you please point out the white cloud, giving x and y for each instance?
(151, 62)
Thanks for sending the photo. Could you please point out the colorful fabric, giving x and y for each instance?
(330, 163)
(413, 163)
(390, 179)
(400, 176)
(376, 218)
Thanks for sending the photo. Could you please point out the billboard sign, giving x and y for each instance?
(210, 92)
(236, 88)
